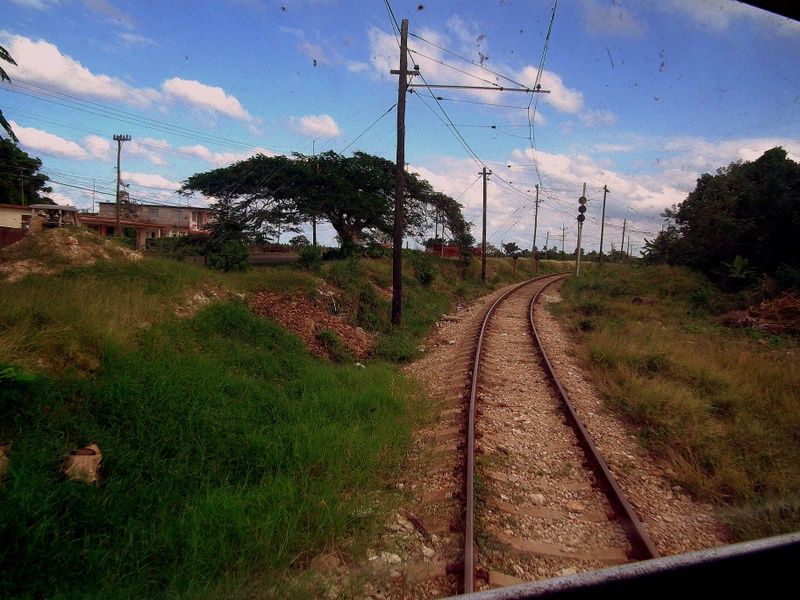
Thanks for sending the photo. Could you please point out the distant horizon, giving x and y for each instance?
(644, 97)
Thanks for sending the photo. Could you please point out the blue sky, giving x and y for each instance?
(644, 96)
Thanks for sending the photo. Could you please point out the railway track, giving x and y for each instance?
(539, 501)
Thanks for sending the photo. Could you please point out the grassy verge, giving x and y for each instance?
(720, 404)
(226, 449)
(230, 456)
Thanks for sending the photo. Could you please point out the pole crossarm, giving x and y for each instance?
(476, 87)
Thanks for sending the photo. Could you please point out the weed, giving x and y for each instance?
(719, 404)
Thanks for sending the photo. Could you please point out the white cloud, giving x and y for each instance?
(204, 96)
(134, 39)
(596, 118)
(42, 63)
(48, 143)
(110, 12)
(37, 4)
(60, 198)
(222, 159)
(150, 180)
(321, 126)
(612, 19)
(98, 147)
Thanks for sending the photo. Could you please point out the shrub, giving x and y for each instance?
(232, 255)
(424, 269)
(310, 258)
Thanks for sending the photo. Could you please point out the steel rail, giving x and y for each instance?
(469, 500)
(642, 545)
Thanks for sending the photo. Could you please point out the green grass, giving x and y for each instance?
(226, 450)
(231, 457)
(721, 404)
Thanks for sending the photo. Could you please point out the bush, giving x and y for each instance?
(310, 258)
(232, 255)
(424, 269)
(332, 343)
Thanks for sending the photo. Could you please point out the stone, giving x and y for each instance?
(518, 570)
(537, 499)
(428, 552)
(566, 572)
(574, 506)
(391, 558)
(395, 574)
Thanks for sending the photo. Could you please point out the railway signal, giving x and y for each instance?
(581, 219)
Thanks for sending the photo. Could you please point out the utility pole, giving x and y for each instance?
(563, 237)
(484, 173)
(602, 224)
(94, 191)
(546, 242)
(581, 219)
(119, 139)
(399, 178)
(534, 252)
(622, 245)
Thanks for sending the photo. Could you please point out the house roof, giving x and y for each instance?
(145, 204)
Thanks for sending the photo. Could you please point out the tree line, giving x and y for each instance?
(738, 225)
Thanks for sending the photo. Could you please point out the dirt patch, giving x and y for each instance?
(54, 250)
(312, 320)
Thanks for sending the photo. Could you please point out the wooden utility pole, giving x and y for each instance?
(399, 178)
(119, 139)
(602, 224)
(563, 237)
(622, 245)
(484, 173)
(534, 252)
(546, 242)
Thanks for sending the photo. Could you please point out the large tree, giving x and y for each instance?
(4, 55)
(20, 179)
(747, 209)
(355, 194)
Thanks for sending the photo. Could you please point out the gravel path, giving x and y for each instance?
(544, 517)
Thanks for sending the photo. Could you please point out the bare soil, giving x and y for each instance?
(54, 250)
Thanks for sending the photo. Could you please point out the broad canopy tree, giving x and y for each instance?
(747, 209)
(355, 194)
(20, 179)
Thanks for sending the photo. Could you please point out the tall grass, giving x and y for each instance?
(722, 405)
(226, 450)
(229, 454)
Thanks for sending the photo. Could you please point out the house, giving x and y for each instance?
(151, 221)
(17, 219)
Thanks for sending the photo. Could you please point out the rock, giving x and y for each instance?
(537, 499)
(574, 506)
(71, 241)
(428, 552)
(566, 572)
(573, 541)
(518, 570)
(360, 366)
(677, 488)
(395, 574)
(391, 558)
(83, 464)
(404, 523)
(451, 342)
